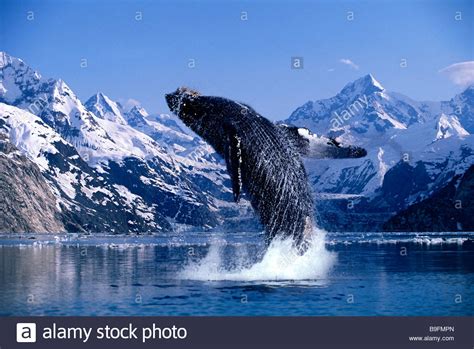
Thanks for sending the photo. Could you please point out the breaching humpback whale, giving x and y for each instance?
(263, 159)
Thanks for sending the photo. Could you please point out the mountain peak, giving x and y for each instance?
(371, 80)
(16, 64)
(61, 86)
(105, 108)
(136, 116)
(365, 85)
(99, 97)
(449, 126)
(6, 59)
(16, 77)
(139, 109)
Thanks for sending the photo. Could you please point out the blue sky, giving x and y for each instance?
(244, 60)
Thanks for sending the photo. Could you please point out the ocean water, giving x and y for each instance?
(196, 273)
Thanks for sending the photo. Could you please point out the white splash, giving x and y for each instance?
(281, 261)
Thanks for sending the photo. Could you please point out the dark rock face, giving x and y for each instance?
(402, 181)
(444, 208)
(27, 205)
(449, 209)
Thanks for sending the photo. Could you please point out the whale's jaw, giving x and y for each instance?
(180, 101)
(171, 101)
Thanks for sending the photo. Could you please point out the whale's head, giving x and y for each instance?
(202, 114)
(183, 102)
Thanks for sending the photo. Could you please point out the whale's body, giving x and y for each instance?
(263, 159)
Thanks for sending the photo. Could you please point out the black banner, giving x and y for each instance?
(236, 332)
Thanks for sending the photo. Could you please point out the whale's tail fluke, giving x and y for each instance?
(319, 147)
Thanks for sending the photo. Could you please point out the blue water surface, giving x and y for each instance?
(372, 274)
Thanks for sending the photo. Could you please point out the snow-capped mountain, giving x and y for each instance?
(99, 167)
(462, 105)
(86, 199)
(449, 126)
(96, 158)
(363, 106)
(96, 138)
(103, 107)
(414, 149)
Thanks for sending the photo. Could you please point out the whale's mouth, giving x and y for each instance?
(178, 99)
(174, 102)
(171, 102)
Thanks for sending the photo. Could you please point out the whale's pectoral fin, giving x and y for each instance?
(233, 160)
(319, 147)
